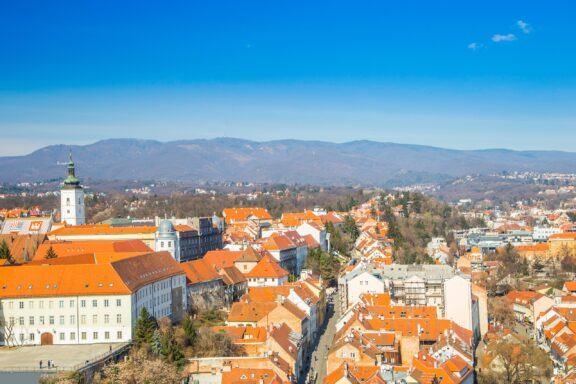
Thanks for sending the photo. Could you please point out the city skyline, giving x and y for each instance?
(448, 75)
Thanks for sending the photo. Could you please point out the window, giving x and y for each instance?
(95, 335)
(61, 304)
(83, 319)
(51, 304)
(21, 320)
(30, 304)
(94, 319)
(118, 302)
(21, 338)
(72, 319)
(61, 320)
(119, 335)
(41, 304)
(106, 303)
(83, 335)
(41, 320)
(21, 305)
(107, 335)
(68, 202)
(106, 319)
(94, 303)
(118, 318)
(72, 335)
(71, 303)
(31, 320)
(51, 320)
(83, 303)
(31, 337)
(62, 334)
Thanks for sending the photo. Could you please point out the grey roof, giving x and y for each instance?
(403, 271)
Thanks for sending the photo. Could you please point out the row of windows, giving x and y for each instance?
(62, 320)
(72, 336)
(50, 304)
(260, 279)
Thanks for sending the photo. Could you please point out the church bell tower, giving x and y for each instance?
(72, 198)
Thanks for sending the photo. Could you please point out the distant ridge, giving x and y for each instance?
(286, 161)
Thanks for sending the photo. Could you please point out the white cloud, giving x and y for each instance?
(475, 46)
(524, 26)
(500, 38)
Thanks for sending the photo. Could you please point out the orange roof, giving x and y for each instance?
(375, 299)
(250, 376)
(267, 267)
(356, 374)
(244, 335)
(183, 228)
(100, 229)
(570, 286)
(278, 243)
(250, 312)
(311, 241)
(294, 219)
(222, 259)
(199, 271)
(119, 277)
(523, 297)
(563, 236)
(68, 248)
(543, 247)
(242, 214)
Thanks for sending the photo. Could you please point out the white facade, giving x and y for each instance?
(66, 320)
(543, 233)
(72, 206)
(458, 301)
(86, 319)
(166, 239)
(363, 283)
(267, 281)
(318, 234)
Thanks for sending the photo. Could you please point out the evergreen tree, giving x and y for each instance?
(50, 253)
(5, 253)
(189, 330)
(156, 343)
(169, 348)
(351, 228)
(145, 327)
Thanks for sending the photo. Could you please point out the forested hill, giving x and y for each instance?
(286, 161)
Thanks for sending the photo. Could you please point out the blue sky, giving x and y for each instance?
(457, 74)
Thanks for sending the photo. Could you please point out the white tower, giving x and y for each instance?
(72, 198)
(167, 239)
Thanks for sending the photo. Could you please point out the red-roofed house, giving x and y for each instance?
(284, 251)
(204, 286)
(267, 273)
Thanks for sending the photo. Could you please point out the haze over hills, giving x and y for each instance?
(286, 161)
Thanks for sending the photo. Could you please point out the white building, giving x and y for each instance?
(267, 273)
(167, 240)
(458, 301)
(317, 232)
(72, 199)
(542, 234)
(87, 303)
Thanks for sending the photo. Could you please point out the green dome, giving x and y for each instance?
(166, 227)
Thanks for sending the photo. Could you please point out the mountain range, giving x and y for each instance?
(285, 161)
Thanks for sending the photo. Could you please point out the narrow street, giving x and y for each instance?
(319, 357)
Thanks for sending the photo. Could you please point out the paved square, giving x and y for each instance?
(65, 357)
